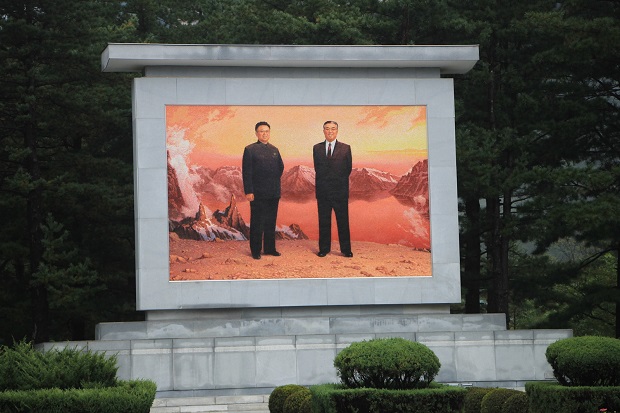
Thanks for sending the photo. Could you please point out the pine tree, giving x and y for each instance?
(59, 125)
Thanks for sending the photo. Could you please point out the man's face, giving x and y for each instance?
(262, 133)
(330, 131)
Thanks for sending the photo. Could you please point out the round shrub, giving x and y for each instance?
(387, 363)
(298, 402)
(494, 400)
(473, 398)
(279, 395)
(517, 403)
(585, 361)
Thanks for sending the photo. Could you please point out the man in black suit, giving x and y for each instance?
(332, 164)
(262, 169)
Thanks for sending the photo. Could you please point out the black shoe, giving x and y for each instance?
(274, 253)
(256, 256)
(348, 254)
(322, 253)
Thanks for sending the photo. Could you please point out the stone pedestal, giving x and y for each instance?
(244, 352)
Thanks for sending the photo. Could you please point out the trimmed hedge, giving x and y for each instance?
(299, 402)
(387, 363)
(494, 400)
(585, 361)
(126, 397)
(24, 368)
(547, 397)
(473, 398)
(279, 395)
(333, 398)
(517, 403)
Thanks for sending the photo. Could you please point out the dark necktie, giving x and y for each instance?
(329, 150)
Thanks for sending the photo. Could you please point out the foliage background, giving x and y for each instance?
(538, 147)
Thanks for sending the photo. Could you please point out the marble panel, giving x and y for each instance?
(192, 294)
(264, 327)
(171, 329)
(150, 95)
(475, 356)
(445, 351)
(316, 366)
(217, 328)
(343, 92)
(444, 247)
(256, 293)
(197, 91)
(350, 291)
(397, 290)
(152, 201)
(344, 325)
(484, 322)
(390, 91)
(152, 359)
(303, 292)
(306, 325)
(438, 95)
(514, 359)
(249, 92)
(276, 361)
(235, 362)
(439, 322)
(121, 331)
(395, 325)
(150, 139)
(193, 361)
(293, 91)
(441, 142)
(153, 253)
(443, 195)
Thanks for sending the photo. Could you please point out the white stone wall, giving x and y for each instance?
(164, 85)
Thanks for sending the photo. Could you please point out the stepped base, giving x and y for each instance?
(249, 355)
(229, 404)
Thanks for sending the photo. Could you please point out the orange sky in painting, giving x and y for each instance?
(390, 138)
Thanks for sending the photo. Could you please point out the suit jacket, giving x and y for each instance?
(332, 174)
(261, 170)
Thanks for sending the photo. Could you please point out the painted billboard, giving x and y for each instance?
(209, 216)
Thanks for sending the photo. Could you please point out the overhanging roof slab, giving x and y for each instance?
(134, 57)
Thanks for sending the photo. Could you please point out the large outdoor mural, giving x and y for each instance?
(209, 215)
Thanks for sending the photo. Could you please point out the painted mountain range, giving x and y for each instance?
(225, 184)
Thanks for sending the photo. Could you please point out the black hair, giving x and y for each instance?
(331, 121)
(261, 123)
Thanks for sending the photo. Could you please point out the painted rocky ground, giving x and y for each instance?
(229, 260)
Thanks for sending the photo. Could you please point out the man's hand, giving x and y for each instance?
(249, 197)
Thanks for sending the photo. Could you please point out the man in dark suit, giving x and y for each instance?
(332, 164)
(262, 169)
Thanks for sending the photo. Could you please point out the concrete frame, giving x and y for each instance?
(290, 75)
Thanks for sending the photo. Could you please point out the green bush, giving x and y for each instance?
(332, 398)
(494, 400)
(585, 361)
(517, 403)
(298, 402)
(473, 398)
(279, 395)
(545, 397)
(24, 368)
(126, 397)
(389, 363)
